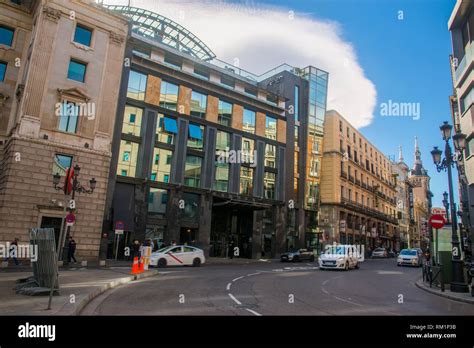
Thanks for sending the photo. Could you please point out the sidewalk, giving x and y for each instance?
(465, 297)
(78, 286)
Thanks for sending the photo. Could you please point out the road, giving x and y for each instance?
(379, 287)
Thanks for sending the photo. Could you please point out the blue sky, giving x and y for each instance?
(407, 60)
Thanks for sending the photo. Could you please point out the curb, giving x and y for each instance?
(78, 307)
(419, 284)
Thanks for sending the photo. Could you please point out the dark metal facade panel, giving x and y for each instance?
(234, 177)
(208, 170)
(280, 193)
(259, 170)
(179, 156)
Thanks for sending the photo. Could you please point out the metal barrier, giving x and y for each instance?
(45, 268)
(433, 275)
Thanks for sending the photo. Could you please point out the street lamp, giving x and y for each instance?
(458, 283)
(71, 186)
(446, 205)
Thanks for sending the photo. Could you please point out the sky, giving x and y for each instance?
(380, 54)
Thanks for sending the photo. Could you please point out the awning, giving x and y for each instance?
(170, 125)
(195, 132)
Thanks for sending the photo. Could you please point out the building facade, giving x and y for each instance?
(358, 192)
(461, 26)
(181, 109)
(58, 99)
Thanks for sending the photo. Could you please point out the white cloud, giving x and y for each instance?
(263, 37)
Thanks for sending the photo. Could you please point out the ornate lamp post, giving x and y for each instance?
(71, 186)
(458, 283)
(446, 205)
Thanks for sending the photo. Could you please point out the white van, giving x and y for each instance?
(341, 257)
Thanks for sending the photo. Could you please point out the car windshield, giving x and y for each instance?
(379, 249)
(408, 252)
(338, 250)
(163, 250)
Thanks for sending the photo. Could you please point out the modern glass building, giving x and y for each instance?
(209, 154)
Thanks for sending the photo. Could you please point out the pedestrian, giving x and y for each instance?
(427, 255)
(173, 243)
(71, 250)
(13, 252)
(135, 249)
(152, 244)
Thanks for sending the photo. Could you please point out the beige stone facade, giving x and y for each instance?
(30, 128)
(358, 193)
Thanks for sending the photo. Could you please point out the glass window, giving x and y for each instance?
(166, 128)
(192, 171)
(3, 71)
(76, 71)
(270, 127)
(467, 100)
(132, 120)
(249, 121)
(221, 182)
(169, 95)
(61, 164)
(225, 113)
(314, 167)
(198, 104)
(128, 156)
(269, 185)
(174, 62)
(83, 35)
(6, 36)
(202, 72)
(248, 148)
(297, 101)
(246, 181)
(136, 85)
(69, 117)
(157, 200)
(141, 52)
(161, 167)
(195, 137)
(222, 141)
(191, 205)
(297, 129)
(227, 81)
(251, 91)
(270, 156)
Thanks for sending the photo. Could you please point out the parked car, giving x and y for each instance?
(340, 257)
(178, 255)
(297, 255)
(410, 257)
(379, 253)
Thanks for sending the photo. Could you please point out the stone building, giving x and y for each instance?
(358, 192)
(58, 97)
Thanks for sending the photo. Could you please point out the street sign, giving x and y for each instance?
(437, 221)
(117, 232)
(119, 225)
(70, 218)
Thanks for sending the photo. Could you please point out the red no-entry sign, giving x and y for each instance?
(437, 221)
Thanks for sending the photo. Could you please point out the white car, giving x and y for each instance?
(410, 257)
(340, 257)
(178, 255)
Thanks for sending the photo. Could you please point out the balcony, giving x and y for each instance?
(360, 208)
(464, 63)
(351, 178)
(364, 185)
(357, 182)
(343, 175)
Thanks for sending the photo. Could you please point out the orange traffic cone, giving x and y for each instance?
(141, 264)
(135, 268)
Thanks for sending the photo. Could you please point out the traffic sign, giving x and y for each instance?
(70, 218)
(437, 221)
(119, 225)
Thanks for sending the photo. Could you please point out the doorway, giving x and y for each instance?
(53, 222)
(188, 236)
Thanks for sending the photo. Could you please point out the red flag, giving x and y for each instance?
(68, 181)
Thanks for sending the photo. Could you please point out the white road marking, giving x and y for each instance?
(253, 312)
(252, 274)
(228, 286)
(234, 280)
(344, 300)
(325, 291)
(234, 299)
(388, 272)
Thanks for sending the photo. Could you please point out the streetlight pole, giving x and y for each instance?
(458, 283)
(71, 186)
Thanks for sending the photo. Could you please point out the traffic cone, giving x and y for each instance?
(135, 268)
(141, 264)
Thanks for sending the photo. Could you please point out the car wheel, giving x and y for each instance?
(311, 259)
(399, 265)
(346, 267)
(197, 262)
(161, 263)
(357, 265)
(296, 259)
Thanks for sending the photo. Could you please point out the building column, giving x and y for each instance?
(173, 227)
(205, 213)
(257, 235)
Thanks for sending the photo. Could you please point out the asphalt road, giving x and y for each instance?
(379, 287)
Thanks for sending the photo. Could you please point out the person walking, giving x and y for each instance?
(135, 249)
(71, 250)
(13, 252)
(231, 249)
